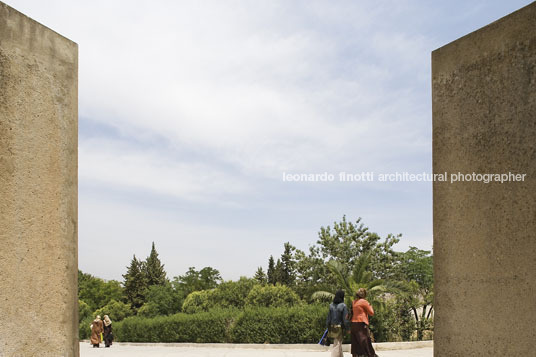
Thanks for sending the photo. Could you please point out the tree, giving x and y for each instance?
(312, 273)
(193, 280)
(228, 294)
(232, 293)
(344, 242)
(417, 269)
(288, 275)
(278, 272)
(154, 269)
(271, 271)
(260, 277)
(197, 301)
(84, 311)
(210, 277)
(164, 299)
(359, 278)
(272, 296)
(347, 241)
(96, 292)
(135, 283)
(116, 310)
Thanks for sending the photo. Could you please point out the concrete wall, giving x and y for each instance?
(38, 189)
(484, 120)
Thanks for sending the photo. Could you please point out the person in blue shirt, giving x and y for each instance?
(337, 322)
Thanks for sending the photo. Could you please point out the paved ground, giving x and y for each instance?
(121, 350)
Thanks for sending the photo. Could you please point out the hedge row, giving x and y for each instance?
(300, 324)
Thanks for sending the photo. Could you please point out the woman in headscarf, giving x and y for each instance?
(96, 330)
(361, 342)
(108, 336)
(337, 322)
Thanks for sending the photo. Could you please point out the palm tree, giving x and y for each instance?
(359, 278)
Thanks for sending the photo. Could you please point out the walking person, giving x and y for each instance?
(108, 336)
(337, 322)
(360, 333)
(96, 330)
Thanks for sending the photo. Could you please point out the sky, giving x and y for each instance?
(193, 113)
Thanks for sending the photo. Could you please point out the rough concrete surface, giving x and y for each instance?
(38, 189)
(162, 350)
(484, 121)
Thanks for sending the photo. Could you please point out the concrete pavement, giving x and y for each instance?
(226, 350)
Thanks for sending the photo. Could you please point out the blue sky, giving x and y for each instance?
(191, 111)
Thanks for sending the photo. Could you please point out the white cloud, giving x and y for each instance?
(123, 167)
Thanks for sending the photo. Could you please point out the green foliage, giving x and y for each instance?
(347, 241)
(418, 265)
(232, 293)
(287, 272)
(300, 324)
(96, 292)
(84, 311)
(359, 278)
(84, 331)
(205, 279)
(148, 310)
(135, 283)
(416, 268)
(244, 292)
(116, 310)
(260, 277)
(270, 275)
(270, 307)
(197, 301)
(154, 269)
(272, 296)
(204, 327)
(229, 294)
(163, 299)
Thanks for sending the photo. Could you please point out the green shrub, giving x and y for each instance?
(116, 310)
(84, 331)
(272, 296)
(204, 327)
(229, 294)
(197, 301)
(232, 293)
(300, 324)
(148, 310)
(163, 300)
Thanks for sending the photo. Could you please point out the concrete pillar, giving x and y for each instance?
(38, 189)
(484, 121)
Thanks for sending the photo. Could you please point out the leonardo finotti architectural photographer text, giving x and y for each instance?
(370, 176)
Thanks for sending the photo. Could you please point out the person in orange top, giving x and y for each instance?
(360, 333)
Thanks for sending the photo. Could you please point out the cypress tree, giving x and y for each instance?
(271, 271)
(260, 277)
(278, 272)
(135, 283)
(287, 266)
(154, 269)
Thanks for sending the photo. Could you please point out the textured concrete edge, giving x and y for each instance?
(474, 46)
(6, 7)
(382, 346)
